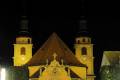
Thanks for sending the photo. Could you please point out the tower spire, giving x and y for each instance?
(24, 7)
(24, 23)
(83, 9)
(82, 22)
(24, 20)
(24, 30)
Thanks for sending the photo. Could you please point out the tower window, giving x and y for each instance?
(28, 40)
(78, 41)
(84, 51)
(84, 40)
(22, 51)
(89, 40)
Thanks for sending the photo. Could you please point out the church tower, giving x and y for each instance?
(84, 52)
(23, 45)
(84, 47)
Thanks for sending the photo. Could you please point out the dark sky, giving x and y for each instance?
(60, 17)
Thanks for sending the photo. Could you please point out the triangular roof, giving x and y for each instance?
(111, 58)
(54, 45)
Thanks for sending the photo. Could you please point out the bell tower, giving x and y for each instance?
(22, 45)
(84, 51)
(83, 45)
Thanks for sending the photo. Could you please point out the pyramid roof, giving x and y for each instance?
(54, 45)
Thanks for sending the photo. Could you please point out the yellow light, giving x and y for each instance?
(3, 74)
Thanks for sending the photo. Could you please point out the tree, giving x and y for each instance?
(111, 72)
(105, 73)
(116, 72)
(18, 73)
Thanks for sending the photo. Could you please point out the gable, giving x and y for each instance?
(54, 45)
(110, 58)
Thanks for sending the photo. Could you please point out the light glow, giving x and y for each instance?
(2, 74)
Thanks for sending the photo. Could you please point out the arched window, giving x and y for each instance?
(22, 51)
(84, 51)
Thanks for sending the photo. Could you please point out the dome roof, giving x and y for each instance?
(83, 34)
(23, 34)
(82, 28)
(23, 28)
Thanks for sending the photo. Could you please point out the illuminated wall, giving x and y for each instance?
(22, 51)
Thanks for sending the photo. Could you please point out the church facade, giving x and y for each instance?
(54, 60)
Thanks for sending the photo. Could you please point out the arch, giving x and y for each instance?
(23, 50)
(84, 51)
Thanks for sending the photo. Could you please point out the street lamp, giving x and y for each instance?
(2, 74)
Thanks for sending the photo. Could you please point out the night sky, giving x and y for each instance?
(63, 18)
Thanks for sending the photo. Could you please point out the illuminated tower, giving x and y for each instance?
(83, 45)
(23, 45)
(84, 51)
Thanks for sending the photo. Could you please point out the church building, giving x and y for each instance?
(54, 60)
